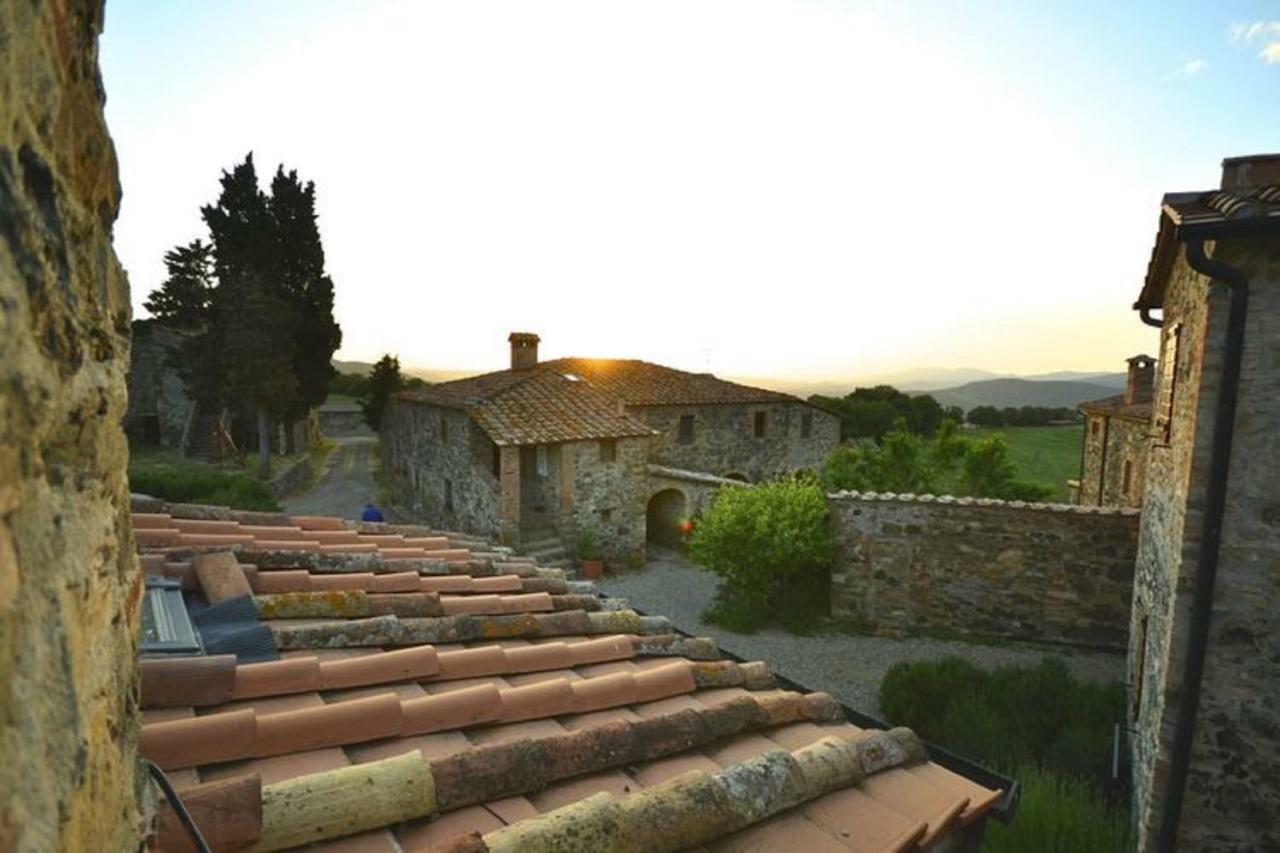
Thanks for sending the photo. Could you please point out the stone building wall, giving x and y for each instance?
(158, 403)
(447, 481)
(1110, 443)
(1233, 794)
(984, 567)
(69, 583)
(607, 497)
(724, 442)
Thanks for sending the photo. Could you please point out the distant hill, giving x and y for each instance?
(1022, 392)
(363, 368)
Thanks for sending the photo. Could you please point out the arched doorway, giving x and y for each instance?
(663, 515)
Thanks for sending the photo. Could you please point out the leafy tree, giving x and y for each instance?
(905, 463)
(987, 472)
(873, 412)
(953, 413)
(764, 539)
(986, 416)
(350, 384)
(183, 300)
(384, 380)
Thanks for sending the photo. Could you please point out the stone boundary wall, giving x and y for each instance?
(1051, 572)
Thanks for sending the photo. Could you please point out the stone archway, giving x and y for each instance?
(662, 517)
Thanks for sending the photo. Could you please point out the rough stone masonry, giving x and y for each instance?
(984, 567)
(69, 583)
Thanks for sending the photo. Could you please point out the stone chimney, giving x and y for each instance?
(524, 350)
(1142, 373)
(1257, 170)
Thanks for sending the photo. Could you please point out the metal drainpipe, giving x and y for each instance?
(1210, 540)
(1144, 314)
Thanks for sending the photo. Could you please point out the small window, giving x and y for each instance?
(497, 462)
(444, 430)
(1094, 426)
(760, 424)
(608, 450)
(540, 457)
(448, 494)
(1127, 485)
(686, 429)
(806, 424)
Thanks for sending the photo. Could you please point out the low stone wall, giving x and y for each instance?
(1050, 572)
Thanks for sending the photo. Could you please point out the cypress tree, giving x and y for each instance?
(384, 380)
(183, 300)
(298, 272)
(256, 323)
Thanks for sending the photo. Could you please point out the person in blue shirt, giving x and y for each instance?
(371, 513)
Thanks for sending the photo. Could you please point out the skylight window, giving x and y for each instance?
(572, 377)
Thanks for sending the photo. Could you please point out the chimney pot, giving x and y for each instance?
(1141, 381)
(524, 350)
(1256, 170)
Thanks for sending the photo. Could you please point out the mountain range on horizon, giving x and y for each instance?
(951, 386)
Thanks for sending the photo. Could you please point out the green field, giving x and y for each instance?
(1048, 455)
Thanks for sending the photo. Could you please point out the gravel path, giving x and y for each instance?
(848, 667)
(344, 485)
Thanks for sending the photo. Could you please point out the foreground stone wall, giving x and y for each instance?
(69, 583)
(724, 442)
(1029, 571)
(1232, 799)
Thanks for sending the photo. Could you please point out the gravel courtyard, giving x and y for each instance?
(849, 667)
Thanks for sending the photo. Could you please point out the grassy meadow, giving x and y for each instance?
(1047, 454)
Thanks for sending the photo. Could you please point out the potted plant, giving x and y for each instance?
(589, 562)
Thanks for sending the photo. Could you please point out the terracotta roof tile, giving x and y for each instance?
(516, 713)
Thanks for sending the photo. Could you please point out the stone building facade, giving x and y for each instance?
(1204, 658)
(160, 411)
(1113, 463)
(984, 567)
(559, 448)
(70, 588)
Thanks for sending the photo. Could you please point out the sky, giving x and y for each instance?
(771, 189)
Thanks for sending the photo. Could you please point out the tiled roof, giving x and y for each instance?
(534, 406)
(642, 383)
(1210, 214)
(507, 731)
(572, 399)
(1116, 407)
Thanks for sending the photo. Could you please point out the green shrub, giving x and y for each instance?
(190, 482)
(771, 546)
(1012, 716)
(1059, 814)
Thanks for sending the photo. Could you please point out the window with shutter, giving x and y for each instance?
(1169, 353)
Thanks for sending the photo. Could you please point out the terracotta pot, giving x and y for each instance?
(592, 569)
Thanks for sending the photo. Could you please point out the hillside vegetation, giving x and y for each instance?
(1021, 392)
(1046, 455)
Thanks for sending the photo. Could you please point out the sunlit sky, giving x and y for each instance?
(788, 189)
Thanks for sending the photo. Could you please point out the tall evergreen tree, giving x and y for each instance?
(298, 271)
(255, 322)
(183, 300)
(384, 380)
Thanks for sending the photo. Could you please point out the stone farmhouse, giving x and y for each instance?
(1204, 642)
(544, 451)
(1113, 460)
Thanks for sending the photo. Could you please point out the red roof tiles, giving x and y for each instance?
(504, 724)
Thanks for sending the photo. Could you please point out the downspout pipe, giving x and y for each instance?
(1144, 314)
(1210, 539)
